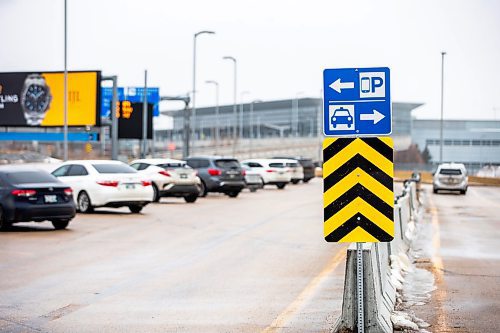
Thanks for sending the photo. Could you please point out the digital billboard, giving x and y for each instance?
(130, 120)
(36, 99)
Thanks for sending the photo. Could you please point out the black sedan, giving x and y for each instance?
(27, 194)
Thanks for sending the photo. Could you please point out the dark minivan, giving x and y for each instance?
(307, 165)
(218, 174)
(27, 194)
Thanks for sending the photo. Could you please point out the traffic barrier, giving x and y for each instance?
(380, 282)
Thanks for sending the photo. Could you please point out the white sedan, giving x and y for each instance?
(101, 183)
(271, 171)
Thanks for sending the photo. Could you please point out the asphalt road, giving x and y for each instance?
(464, 233)
(251, 264)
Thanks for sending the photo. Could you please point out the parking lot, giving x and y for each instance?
(252, 263)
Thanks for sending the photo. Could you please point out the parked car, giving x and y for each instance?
(171, 178)
(218, 174)
(272, 172)
(253, 180)
(450, 177)
(102, 183)
(28, 194)
(306, 163)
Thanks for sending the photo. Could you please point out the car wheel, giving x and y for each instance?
(253, 189)
(135, 208)
(191, 198)
(4, 225)
(84, 204)
(434, 190)
(281, 186)
(60, 224)
(306, 180)
(295, 181)
(233, 194)
(203, 189)
(463, 191)
(156, 193)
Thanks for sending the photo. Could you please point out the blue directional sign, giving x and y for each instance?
(131, 94)
(357, 101)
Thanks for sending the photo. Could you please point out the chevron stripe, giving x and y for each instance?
(356, 206)
(358, 227)
(357, 161)
(351, 150)
(354, 180)
(358, 189)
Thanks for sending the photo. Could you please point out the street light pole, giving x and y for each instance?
(65, 148)
(295, 115)
(251, 124)
(441, 124)
(194, 81)
(243, 93)
(216, 127)
(234, 101)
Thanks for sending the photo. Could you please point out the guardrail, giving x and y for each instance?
(380, 281)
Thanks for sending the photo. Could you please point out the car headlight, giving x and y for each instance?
(348, 118)
(333, 119)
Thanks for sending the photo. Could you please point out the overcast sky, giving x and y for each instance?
(281, 46)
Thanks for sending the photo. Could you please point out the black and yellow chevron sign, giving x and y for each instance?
(358, 189)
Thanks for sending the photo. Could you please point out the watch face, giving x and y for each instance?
(37, 98)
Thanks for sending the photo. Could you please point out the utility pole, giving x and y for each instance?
(441, 124)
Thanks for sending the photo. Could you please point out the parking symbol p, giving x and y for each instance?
(371, 84)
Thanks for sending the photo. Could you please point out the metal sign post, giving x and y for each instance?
(359, 287)
(114, 119)
(358, 169)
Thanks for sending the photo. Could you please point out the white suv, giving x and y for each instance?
(450, 177)
(272, 171)
(171, 178)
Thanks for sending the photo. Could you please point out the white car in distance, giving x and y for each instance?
(272, 171)
(103, 183)
(170, 177)
(296, 170)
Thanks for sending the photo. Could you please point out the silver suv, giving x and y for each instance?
(450, 177)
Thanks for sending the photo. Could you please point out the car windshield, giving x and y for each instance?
(450, 172)
(293, 165)
(113, 168)
(276, 165)
(341, 113)
(227, 164)
(29, 177)
(175, 165)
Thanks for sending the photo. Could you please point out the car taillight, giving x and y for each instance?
(68, 191)
(269, 170)
(112, 183)
(23, 193)
(214, 172)
(164, 173)
(243, 173)
(146, 183)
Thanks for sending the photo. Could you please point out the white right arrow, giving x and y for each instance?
(339, 85)
(375, 116)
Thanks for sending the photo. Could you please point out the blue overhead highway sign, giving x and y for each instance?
(357, 102)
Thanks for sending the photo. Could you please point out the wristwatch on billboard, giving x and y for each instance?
(35, 99)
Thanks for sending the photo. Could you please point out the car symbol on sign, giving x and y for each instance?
(341, 116)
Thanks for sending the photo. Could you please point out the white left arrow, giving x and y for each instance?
(338, 85)
(375, 116)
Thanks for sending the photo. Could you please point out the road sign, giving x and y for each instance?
(358, 189)
(131, 94)
(357, 101)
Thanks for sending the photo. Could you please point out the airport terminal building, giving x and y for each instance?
(473, 142)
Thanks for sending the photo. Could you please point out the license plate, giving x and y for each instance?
(50, 198)
(184, 176)
(129, 186)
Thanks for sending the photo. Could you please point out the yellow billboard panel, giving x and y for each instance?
(83, 90)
